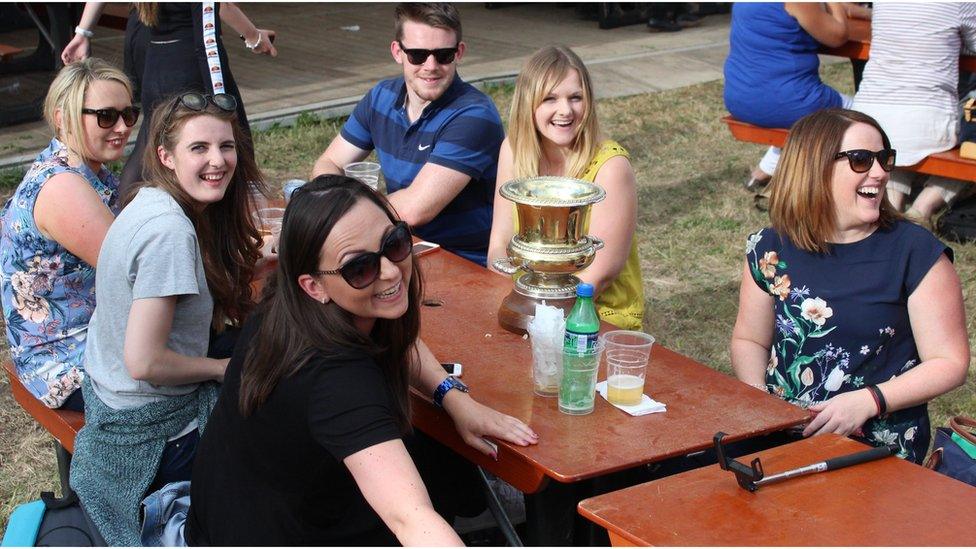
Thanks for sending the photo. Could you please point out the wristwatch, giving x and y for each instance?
(450, 382)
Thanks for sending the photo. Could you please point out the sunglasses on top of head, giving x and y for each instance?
(364, 269)
(418, 56)
(107, 118)
(861, 160)
(198, 102)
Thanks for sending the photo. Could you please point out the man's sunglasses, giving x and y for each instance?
(364, 269)
(861, 160)
(107, 118)
(418, 56)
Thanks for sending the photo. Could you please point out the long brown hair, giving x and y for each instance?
(801, 206)
(295, 327)
(229, 242)
(541, 73)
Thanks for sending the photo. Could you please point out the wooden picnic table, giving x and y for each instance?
(859, 45)
(460, 324)
(880, 503)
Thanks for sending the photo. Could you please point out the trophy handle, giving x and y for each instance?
(504, 265)
(597, 243)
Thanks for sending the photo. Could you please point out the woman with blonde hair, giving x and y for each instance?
(553, 130)
(48, 251)
(176, 265)
(845, 308)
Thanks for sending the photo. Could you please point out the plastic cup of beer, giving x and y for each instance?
(627, 353)
(367, 172)
(577, 388)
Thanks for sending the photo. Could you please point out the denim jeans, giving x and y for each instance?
(164, 515)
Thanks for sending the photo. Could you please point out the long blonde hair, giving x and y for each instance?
(541, 73)
(67, 95)
(148, 13)
(801, 206)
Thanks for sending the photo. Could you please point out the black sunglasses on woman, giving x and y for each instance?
(861, 160)
(364, 269)
(107, 118)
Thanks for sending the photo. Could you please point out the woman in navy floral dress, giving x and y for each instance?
(51, 229)
(845, 308)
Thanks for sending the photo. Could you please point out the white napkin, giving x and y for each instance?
(647, 404)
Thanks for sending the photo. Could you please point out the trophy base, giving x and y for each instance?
(516, 310)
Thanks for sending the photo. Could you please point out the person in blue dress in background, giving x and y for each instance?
(845, 308)
(772, 76)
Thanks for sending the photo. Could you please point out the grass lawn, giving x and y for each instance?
(693, 220)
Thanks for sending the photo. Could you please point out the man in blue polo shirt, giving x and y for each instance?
(437, 137)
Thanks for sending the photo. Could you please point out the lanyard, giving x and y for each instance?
(210, 46)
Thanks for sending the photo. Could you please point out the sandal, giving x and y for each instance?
(758, 179)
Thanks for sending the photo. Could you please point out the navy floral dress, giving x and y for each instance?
(47, 293)
(842, 321)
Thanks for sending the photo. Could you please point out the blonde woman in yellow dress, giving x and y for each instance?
(553, 130)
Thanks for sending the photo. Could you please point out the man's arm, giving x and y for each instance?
(340, 153)
(434, 187)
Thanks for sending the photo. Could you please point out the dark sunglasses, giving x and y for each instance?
(861, 160)
(198, 102)
(107, 118)
(418, 56)
(364, 269)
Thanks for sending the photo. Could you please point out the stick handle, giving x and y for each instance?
(860, 457)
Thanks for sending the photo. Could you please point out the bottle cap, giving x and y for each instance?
(584, 290)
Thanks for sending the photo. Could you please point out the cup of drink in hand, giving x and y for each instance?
(627, 353)
(367, 172)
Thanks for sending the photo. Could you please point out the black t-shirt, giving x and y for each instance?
(276, 477)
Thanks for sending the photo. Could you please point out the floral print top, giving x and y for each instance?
(841, 321)
(47, 293)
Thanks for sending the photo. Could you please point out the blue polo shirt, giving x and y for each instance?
(460, 130)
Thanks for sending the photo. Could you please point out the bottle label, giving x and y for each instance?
(580, 343)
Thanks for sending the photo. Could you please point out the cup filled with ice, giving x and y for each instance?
(546, 330)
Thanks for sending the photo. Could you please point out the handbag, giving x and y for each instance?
(954, 452)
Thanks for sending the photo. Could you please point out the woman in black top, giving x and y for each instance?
(305, 446)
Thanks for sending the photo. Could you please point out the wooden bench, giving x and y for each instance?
(8, 52)
(62, 424)
(945, 164)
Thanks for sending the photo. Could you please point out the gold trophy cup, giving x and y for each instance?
(551, 244)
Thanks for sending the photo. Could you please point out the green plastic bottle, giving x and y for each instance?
(583, 324)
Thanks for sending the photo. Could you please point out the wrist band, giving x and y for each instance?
(84, 32)
(879, 399)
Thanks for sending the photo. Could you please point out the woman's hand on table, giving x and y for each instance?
(475, 421)
(842, 414)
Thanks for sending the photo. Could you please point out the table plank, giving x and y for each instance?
(859, 45)
(885, 502)
(464, 328)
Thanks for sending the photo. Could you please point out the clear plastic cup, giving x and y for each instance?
(367, 172)
(577, 388)
(627, 353)
(268, 222)
(547, 365)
